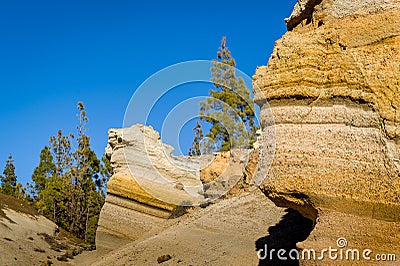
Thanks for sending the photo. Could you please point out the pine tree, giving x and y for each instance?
(61, 151)
(85, 173)
(69, 185)
(195, 150)
(45, 196)
(43, 171)
(55, 198)
(9, 179)
(230, 108)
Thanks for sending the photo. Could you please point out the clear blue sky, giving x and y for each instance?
(56, 53)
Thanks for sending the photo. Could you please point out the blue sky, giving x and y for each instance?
(56, 53)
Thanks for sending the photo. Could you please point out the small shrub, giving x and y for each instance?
(55, 249)
(39, 250)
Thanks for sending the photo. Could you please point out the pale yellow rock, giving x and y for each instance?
(133, 209)
(332, 83)
(333, 89)
(123, 221)
(355, 57)
(126, 186)
(360, 233)
(143, 194)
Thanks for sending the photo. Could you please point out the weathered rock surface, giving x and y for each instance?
(139, 151)
(354, 56)
(332, 85)
(151, 186)
(129, 213)
(148, 187)
(359, 232)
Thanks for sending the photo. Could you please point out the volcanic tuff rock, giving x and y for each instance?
(341, 49)
(332, 83)
(139, 151)
(150, 185)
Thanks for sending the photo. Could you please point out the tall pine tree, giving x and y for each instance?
(48, 189)
(59, 190)
(85, 172)
(9, 178)
(230, 108)
(43, 171)
(69, 186)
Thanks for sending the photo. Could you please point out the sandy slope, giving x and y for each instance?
(224, 233)
(27, 238)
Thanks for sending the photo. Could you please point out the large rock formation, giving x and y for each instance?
(332, 86)
(139, 151)
(332, 83)
(150, 185)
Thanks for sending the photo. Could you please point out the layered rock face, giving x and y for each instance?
(150, 185)
(340, 49)
(139, 151)
(332, 83)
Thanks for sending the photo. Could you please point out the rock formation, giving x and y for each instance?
(139, 151)
(150, 185)
(332, 83)
(332, 86)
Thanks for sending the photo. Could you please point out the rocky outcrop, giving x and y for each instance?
(343, 50)
(332, 86)
(150, 185)
(138, 151)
